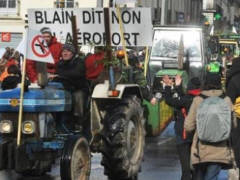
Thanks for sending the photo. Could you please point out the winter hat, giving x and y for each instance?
(69, 47)
(46, 30)
(213, 81)
(234, 70)
(194, 83)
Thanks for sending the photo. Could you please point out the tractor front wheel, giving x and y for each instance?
(76, 159)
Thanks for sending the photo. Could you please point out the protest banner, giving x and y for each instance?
(37, 48)
(125, 1)
(137, 25)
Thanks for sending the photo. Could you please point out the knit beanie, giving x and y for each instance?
(46, 30)
(194, 83)
(69, 47)
(213, 80)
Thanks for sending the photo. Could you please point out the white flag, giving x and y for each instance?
(37, 49)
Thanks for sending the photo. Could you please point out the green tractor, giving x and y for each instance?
(175, 51)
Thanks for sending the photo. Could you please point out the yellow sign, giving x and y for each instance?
(14, 102)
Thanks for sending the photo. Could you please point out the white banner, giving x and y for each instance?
(208, 4)
(90, 24)
(125, 1)
(37, 48)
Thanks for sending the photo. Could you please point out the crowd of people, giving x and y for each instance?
(201, 157)
(206, 121)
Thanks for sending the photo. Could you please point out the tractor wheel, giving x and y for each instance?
(76, 159)
(124, 129)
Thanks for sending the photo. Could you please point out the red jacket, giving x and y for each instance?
(94, 66)
(56, 49)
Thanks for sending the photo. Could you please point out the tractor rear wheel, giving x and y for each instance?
(124, 129)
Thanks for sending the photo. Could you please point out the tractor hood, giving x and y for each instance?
(49, 99)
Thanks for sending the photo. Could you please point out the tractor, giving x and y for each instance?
(48, 131)
(117, 128)
(176, 50)
(46, 135)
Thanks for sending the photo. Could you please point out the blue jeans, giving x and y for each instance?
(207, 171)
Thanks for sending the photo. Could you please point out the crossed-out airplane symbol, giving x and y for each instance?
(42, 45)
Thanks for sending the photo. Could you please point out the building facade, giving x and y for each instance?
(13, 16)
(13, 12)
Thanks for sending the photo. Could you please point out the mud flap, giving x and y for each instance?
(22, 162)
(4, 154)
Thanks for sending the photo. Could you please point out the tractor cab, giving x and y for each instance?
(165, 49)
(175, 51)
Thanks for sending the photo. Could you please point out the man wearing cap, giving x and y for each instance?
(55, 48)
(71, 73)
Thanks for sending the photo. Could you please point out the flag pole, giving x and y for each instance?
(146, 60)
(20, 114)
(122, 35)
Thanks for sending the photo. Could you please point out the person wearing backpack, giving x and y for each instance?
(209, 118)
(181, 104)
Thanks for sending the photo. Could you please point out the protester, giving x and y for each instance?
(233, 91)
(71, 72)
(233, 85)
(135, 74)
(209, 157)
(13, 78)
(181, 104)
(55, 48)
(9, 58)
(94, 63)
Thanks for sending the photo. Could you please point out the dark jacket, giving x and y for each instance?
(140, 79)
(12, 82)
(72, 74)
(179, 103)
(233, 91)
(233, 85)
(135, 75)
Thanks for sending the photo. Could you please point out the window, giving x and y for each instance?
(65, 3)
(8, 7)
(166, 44)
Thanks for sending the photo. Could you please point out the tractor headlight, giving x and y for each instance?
(6, 126)
(28, 127)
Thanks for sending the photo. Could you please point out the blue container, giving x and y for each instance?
(53, 98)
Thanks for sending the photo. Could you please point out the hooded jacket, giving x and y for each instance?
(55, 48)
(233, 85)
(203, 152)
